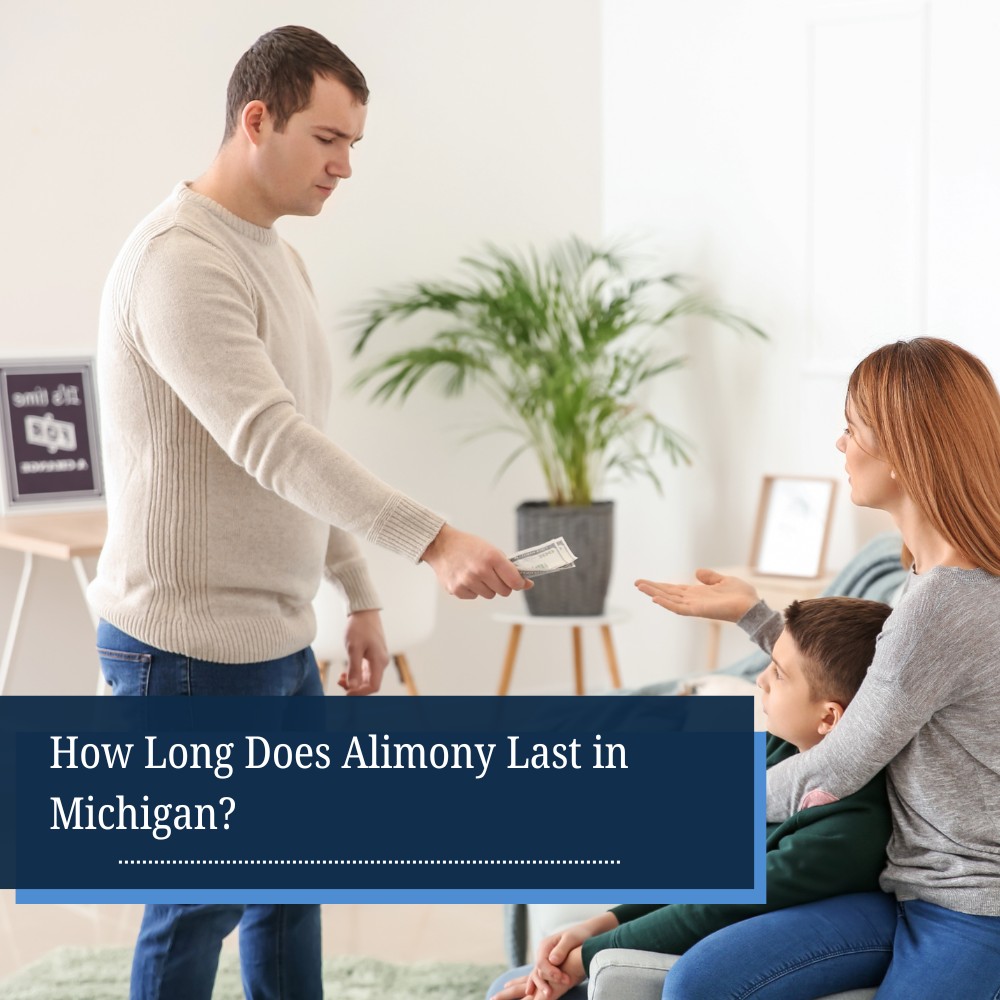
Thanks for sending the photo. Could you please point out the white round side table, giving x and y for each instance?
(576, 624)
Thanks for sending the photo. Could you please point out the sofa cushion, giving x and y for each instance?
(625, 974)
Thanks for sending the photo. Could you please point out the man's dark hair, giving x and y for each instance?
(837, 636)
(279, 69)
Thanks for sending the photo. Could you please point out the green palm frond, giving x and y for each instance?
(562, 342)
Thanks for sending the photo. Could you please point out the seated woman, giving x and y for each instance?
(923, 443)
(818, 663)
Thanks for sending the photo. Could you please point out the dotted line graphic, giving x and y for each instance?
(369, 861)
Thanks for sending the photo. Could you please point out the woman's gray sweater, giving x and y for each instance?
(929, 709)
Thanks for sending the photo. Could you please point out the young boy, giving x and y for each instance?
(828, 848)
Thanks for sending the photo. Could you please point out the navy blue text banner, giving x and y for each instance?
(386, 799)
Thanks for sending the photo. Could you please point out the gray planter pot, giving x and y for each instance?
(589, 532)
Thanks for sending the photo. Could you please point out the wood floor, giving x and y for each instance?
(456, 933)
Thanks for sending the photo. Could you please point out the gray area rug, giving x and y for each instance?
(102, 974)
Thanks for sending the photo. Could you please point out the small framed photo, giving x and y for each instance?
(793, 526)
(50, 456)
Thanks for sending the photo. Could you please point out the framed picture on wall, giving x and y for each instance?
(50, 454)
(793, 526)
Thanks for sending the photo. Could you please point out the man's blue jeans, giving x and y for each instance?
(916, 950)
(177, 952)
(132, 667)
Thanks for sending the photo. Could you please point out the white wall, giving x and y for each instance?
(484, 124)
(824, 165)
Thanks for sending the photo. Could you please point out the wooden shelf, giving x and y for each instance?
(58, 536)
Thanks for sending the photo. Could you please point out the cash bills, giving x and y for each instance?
(548, 557)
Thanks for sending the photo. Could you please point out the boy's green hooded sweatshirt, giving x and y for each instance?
(821, 851)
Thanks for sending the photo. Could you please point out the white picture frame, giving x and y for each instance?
(793, 526)
(50, 453)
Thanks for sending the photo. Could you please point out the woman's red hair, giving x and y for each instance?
(935, 412)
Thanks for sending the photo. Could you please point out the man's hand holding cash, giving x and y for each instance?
(548, 557)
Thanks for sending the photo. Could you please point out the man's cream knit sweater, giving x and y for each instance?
(215, 383)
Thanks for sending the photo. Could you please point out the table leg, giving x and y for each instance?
(609, 651)
(508, 663)
(714, 635)
(83, 580)
(578, 658)
(323, 669)
(403, 666)
(15, 619)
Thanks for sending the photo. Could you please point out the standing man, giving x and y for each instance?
(226, 501)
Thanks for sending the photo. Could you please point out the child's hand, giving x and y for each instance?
(534, 986)
(554, 951)
(515, 989)
(721, 598)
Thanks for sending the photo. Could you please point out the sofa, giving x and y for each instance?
(875, 573)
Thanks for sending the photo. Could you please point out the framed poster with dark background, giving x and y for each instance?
(50, 450)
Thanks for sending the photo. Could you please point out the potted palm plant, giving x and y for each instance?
(564, 343)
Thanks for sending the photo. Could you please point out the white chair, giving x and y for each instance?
(409, 597)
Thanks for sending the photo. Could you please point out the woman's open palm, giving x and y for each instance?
(721, 598)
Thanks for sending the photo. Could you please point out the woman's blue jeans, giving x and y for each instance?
(915, 950)
(177, 952)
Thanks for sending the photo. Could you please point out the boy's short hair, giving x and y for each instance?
(837, 637)
(279, 69)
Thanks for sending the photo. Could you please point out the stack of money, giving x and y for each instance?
(548, 557)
